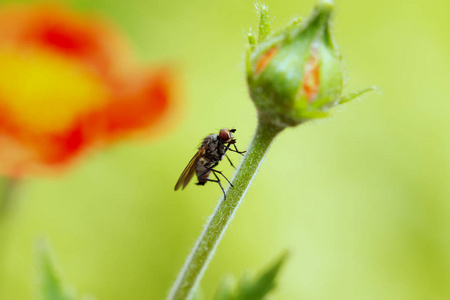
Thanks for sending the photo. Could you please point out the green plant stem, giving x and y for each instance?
(7, 196)
(200, 256)
(8, 187)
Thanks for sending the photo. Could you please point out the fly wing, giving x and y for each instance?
(189, 171)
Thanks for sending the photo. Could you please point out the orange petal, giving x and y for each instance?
(310, 86)
(265, 59)
(68, 83)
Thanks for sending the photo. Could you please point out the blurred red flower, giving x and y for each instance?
(67, 83)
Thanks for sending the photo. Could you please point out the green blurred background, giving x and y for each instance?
(361, 200)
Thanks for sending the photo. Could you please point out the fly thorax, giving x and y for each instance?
(212, 147)
(221, 150)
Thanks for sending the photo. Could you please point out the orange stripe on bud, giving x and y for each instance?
(311, 78)
(265, 59)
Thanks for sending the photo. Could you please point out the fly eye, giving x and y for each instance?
(224, 135)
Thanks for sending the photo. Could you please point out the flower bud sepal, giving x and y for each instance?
(295, 75)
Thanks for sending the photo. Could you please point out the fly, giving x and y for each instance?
(210, 152)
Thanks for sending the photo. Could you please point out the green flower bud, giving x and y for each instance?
(295, 75)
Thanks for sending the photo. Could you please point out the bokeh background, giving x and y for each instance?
(360, 200)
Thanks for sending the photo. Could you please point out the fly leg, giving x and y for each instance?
(220, 172)
(240, 152)
(211, 168)
(236, 149)
(229, 160)
(221, 187)
(227, 147)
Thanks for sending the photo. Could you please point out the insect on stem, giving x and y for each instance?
(208, 156)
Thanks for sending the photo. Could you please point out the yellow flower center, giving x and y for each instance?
(46, 91)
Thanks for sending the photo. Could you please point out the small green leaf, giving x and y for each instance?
(264, 22)
(251, 41)
(50, 286)
(225, 290)
(355, 95)
(8, 187)
(315, 114)
(250, 288)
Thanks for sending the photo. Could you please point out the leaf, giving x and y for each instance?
(355, 95)
(315, 114)
(50, 286)
(251, 41)
(8, 188)
(225, 290)
(250, 288)
(264, 22)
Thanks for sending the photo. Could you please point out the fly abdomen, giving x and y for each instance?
(202, 171)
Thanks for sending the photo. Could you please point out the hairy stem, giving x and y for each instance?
(204, 249)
